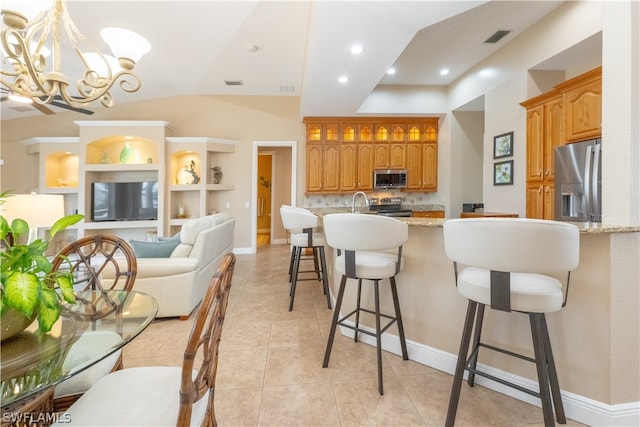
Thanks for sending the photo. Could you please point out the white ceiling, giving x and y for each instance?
(302, 47)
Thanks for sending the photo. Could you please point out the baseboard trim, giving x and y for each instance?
(576, 407)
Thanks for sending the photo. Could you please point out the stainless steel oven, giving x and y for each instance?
(389, 206)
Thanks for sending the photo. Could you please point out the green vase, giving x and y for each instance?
(126, 155)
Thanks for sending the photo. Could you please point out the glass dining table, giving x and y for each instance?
(31, 364)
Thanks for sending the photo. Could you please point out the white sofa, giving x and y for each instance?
(180, 281)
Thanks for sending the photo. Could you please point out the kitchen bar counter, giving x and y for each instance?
(585, 227)
(595, 338)
(488, 215)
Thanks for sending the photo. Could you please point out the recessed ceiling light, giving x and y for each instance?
(444, 71)
(252, 48)
(488, 73)
(391, 71)
(343, 79)
(357, 49)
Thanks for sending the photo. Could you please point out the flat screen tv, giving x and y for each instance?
(124, 201)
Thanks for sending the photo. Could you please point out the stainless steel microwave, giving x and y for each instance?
(389, 178)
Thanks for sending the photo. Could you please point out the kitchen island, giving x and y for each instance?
(595, 338)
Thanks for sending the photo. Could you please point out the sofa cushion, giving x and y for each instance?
(162, 249)
(181, 251)
(220, 217)
(162, 268)
(193, 227)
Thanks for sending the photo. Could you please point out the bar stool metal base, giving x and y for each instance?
(320, 268)
(549, 391)
(379, 330)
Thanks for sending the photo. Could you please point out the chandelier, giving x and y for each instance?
(33, 49)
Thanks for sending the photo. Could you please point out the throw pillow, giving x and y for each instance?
(175, 237)
(160, 249)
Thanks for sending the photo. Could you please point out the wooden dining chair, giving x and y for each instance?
(87, 259)
(165, 396)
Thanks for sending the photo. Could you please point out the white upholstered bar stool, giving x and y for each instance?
(506, 265)
(301, 224)
(369, 248)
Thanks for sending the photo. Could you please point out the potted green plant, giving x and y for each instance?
(30, 289)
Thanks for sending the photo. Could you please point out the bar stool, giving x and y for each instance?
(295, 220)
(505, 265)
(370, 248)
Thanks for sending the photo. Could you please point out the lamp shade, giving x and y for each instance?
(39, 210)
(125, 43)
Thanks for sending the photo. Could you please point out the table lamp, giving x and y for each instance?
(39, 210)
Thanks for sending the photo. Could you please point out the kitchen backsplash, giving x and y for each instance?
(339, 200)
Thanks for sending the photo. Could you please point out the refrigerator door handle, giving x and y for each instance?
(587, 202)
(594, 211)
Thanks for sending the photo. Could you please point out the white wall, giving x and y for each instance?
(503, 115)
(405, 100)
(503, 79)
(467, 174)
(621, 113)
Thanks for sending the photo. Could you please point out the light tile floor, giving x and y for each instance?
(270, 367)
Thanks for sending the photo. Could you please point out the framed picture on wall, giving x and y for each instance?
(503, 173)
(503, 145)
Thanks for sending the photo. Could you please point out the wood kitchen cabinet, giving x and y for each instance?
(348, 167)
(398, 156)
(570, 112)
(314, 168)
(540, 200)
(422, 167)
(427, 214)
(365, 167)
(331, 168)
(381, 156)
(390, 156)
(323, 168)
(582, 97)
(535, 143)
(342, 153)
(545, 132)
(414, 166)
(430, 166)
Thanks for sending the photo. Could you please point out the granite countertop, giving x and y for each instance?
(585, 228)
(598, 228)
(425, 208)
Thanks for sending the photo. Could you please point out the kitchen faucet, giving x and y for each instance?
(353, 202)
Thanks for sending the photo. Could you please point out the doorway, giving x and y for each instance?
(283, 186)
(264, 205)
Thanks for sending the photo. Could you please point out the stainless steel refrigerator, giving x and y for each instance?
(578, 182)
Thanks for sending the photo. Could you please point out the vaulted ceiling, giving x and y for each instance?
(300, 48)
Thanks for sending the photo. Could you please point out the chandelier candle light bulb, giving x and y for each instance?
(34, 29)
